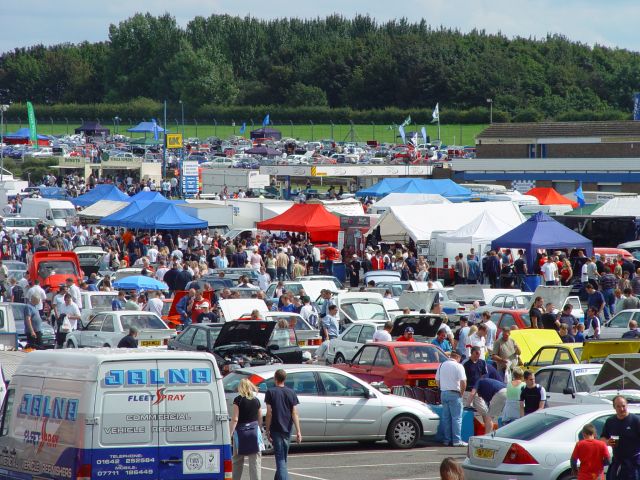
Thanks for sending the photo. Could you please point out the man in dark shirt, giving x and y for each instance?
(475, 368)
(535, 313)
(182, 278)
(170, 277)
(494, 396)
(282, 414)
(533, 397)
(130, 340)
(550, 318)
(622, 432)
(633, 330)
(595, 300)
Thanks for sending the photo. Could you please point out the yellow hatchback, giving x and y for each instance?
(559, 354)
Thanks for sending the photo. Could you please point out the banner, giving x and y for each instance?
(636, 106)
(402, 134)
(266, 120)
(436, 113)
(424, 135)
(33, 134)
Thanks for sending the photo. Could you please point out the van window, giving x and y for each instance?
(62, 213)
(6, 412)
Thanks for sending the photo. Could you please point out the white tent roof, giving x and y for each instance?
(347, 206)
(482, 229)
(102, 208)
(619, 207)
(395, 199)
(418, 221)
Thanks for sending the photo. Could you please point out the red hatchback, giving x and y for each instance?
(396, 363)
(512, 318)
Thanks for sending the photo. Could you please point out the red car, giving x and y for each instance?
(396, 363)
(512, 318)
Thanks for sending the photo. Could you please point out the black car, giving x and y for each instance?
(242, 343)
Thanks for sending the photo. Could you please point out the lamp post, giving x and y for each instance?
(66, 121)
(331, 129)
(291, 122)
(490, 102)
(373, 127)
(182, 111)
(3, 108)
(116, 124)
(195, 120)
(215, 127)
(51, 119)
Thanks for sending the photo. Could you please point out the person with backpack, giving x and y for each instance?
(16, 292)
(308, 312)
(533, 396)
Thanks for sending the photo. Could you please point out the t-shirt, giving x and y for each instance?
(445, 346)
(381, 336)
(590, 452)
(549, 321)
(532, 398)
(474, 371)
(628, 429)
(535, 312)
(486, 388)
(248, 408)
(282, 401)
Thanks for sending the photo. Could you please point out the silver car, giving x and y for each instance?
(336, 406)
(619, 324)
(106, 329)
(537, 446)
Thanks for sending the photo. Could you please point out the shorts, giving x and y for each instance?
(479, 405)
(497, 403)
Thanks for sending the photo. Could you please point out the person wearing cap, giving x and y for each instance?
(505, 352)
(407, 336)
(130, 340)
(206, 315)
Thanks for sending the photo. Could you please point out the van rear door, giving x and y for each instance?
(193, 427)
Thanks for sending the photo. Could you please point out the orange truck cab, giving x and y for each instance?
(53, 268)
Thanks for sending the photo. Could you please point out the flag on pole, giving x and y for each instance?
(155, 129)
(580, 195)
(266, 120)
(424, 135)
(33, 134)
(436, 113)
(243, 128)
(414, 139)
(402, 134)
(407, 121)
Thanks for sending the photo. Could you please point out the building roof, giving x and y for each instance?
(561, 129)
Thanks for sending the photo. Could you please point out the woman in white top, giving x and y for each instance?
(478, 339)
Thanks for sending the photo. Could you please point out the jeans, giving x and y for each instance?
(282, 273)
(451, 416)
(186, 320)
(328, 267)
(280, 451)
(610, 302)
(316, 268)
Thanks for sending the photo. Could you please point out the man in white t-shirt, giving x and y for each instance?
(383, 335)
(550, 272)
(264, 279)
(452, 381)
(152, 253)
(37, 291)
(162, 269)
(155, 303)
(71, 311)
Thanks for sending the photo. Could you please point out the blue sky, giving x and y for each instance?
(609, 23)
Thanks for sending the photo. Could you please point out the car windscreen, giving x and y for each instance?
(142, 322)
(530, 426)
(294, 321)
(21, 222)
(283, 336)
(419, 354)
(585, 379)
(102, 301)
(61, 213)
(58, 267)
(364, 311)
(230, 382)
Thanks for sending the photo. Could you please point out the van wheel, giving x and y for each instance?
(403, 432)
(339, 358)
(106, 345)
(70, 344)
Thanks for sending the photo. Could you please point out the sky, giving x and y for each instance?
(609, 23)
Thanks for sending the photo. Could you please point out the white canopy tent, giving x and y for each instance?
(102, 208)
(397, 199)
(482, 229)
(400, 223)
(619, 207)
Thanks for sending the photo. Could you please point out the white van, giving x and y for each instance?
(102, 413)
(53, 212)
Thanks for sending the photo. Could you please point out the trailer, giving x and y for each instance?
(214, 180)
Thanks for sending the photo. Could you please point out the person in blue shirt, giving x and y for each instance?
(595, 300)
(475, 368)
(494, 396)
(119, 301)
(287, 306)
(185, 306)
(442, 342)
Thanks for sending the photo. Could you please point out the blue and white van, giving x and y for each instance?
(106, 413)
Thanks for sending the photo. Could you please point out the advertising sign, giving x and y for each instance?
(190, 178)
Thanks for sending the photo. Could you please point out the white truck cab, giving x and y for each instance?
(104, 413)
(57, 213)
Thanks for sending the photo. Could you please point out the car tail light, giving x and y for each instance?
(228, 464)
(255, 379)
(312, 342)
(165, 341)
(83, 471)
(517, 455)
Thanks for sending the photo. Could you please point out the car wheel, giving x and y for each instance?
(339, 358)
(70, 344)
(567, 476)
(403, 432)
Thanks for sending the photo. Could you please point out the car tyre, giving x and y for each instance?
(339, 358)
(567, 476)
(403, 432)
(70, 344)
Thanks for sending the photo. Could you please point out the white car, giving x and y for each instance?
(94, 302)
(536, 447)
(336, 406)
(343, 348)
(570, 384)
(619, 324)
(20, 225)
(106, 329)
(356, 306)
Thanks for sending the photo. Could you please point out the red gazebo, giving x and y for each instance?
(548, 196)
(313, 219)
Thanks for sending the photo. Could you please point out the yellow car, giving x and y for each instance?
(530, 340)
(559, 354)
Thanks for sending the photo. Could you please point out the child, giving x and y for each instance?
(593, 456)
(579, 336)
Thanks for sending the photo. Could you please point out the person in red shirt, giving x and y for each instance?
(198, 302)
(407, 336)
(592, 454)
(330, 256)
(377, 262)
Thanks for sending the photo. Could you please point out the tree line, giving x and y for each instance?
(330, 66)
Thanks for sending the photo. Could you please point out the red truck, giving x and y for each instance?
(53, 268)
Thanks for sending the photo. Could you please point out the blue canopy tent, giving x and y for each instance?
(118, 219)
(148, 196)
(54, 193)
(445, 187)
(542, 232)
(163, 216)
(139, 283)
(23, 136)
(146, 127)
(100, 192)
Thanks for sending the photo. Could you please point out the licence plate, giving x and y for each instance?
(149, 343)
(432, 382)
(484, 453)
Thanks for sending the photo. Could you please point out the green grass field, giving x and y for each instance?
(451, 134)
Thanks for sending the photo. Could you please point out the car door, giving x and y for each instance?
(543, 358)
(366, 334)
(347, 344)
(354, 410)
(90, 337)
(108, 335)
(560, 380)
(382, 367)
(617, 325)
(363, 362)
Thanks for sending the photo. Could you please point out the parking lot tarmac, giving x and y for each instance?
(349, 461)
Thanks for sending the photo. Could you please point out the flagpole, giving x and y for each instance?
(439, 127)
(164, 150)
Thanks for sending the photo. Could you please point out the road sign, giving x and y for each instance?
(174, 140)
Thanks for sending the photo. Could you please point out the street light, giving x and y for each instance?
(215, 127)
(116, 124)
(291, 122)
(490, 102)
(331, 129)
(311, 122)
(66, 121)
(373, 126)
